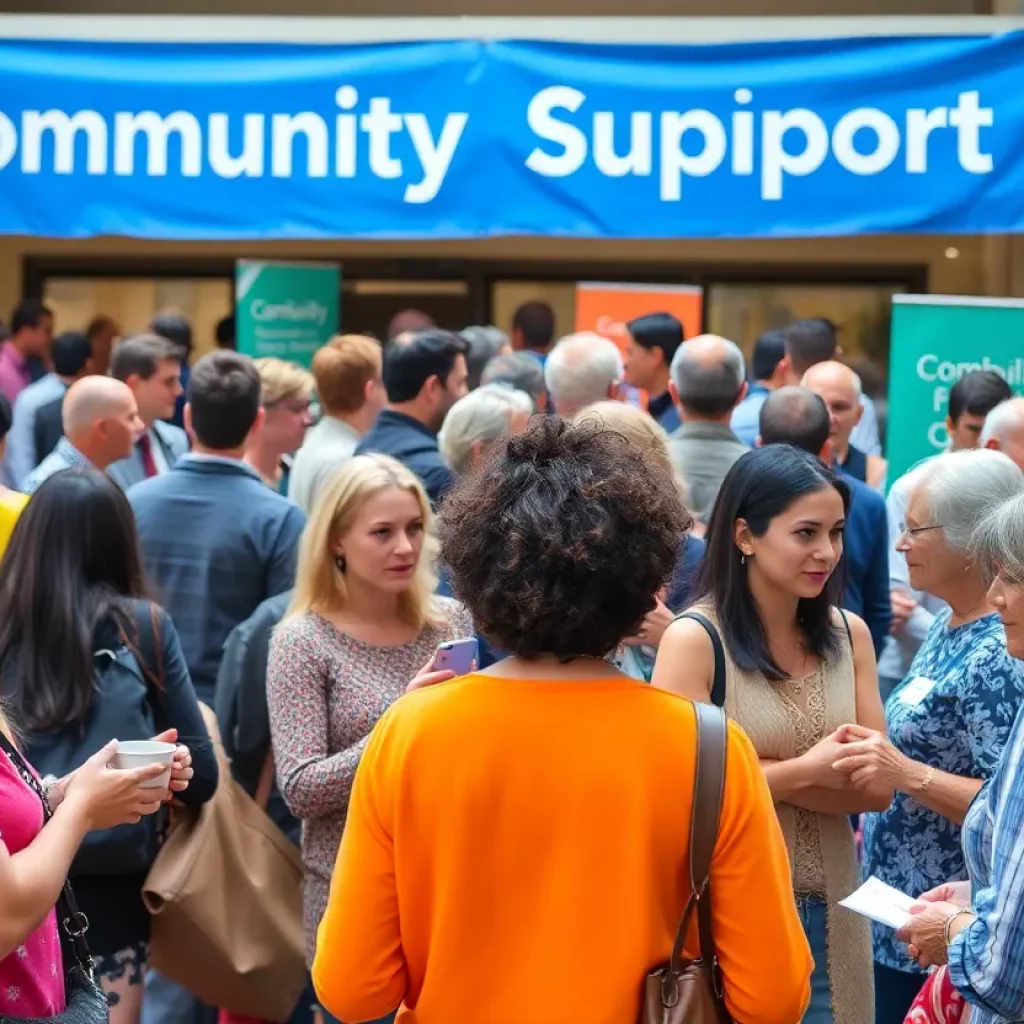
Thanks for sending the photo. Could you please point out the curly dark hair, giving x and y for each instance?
(560, 541)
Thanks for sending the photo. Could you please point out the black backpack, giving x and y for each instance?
(127, 706)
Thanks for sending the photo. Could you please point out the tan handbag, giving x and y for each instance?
(225, 895)
(690, 991)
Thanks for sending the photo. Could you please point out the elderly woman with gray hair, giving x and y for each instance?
(474, 422)
(950, 719)
(977, 927)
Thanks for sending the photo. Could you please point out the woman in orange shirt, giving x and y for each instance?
(517, 839)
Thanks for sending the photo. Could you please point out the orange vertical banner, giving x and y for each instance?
(607, 308)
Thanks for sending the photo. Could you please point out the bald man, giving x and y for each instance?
(101, 425)
(708, 381)
(840, 388)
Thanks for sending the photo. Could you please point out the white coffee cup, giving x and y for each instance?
(139, 753)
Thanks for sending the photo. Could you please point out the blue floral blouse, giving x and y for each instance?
(954, 711)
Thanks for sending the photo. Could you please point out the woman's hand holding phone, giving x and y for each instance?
(428, 677)
(451, 659)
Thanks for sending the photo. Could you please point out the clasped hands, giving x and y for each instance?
(860, 757)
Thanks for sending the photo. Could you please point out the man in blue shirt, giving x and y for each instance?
(216, 540)
(72, 358)
(654, 340)
(424, 375)
(769, 351)
(797, 416)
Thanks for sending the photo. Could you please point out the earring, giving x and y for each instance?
(743, 559)
(339, 561)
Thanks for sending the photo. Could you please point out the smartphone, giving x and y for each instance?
(458, 656)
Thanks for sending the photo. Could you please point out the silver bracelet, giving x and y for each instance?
(49, 783)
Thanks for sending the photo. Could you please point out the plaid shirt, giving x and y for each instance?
(986, 960)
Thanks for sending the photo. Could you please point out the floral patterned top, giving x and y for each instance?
(954, 712)
(32, 977)
(325, 692)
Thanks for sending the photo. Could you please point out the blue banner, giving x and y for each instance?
(467, 138)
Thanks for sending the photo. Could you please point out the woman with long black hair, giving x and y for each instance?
(86, 658)
(796, 670)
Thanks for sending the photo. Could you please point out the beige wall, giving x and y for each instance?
(993, 265)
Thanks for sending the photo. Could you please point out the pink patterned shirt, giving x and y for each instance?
(32, 977)
(326, 691)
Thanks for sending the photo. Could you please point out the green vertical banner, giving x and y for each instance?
(288, 310)
(935, 340)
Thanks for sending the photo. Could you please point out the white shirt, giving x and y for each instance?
(865, 434)
(326, 447)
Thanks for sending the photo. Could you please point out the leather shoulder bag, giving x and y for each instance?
(690, 991)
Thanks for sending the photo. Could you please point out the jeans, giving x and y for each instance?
(895, 992)
(166, 1002)
(814, 917)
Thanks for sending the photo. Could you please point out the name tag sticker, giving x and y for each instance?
(916, 690)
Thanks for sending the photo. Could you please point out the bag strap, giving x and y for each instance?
(147, 646)
(846, 625)
(74, 923)
(265, 786)
(718, 684)
(708, 788)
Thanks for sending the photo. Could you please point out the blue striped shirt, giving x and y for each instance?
(986, 960)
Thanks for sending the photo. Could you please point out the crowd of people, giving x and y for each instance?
(294, 549)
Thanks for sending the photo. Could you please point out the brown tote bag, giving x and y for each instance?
(690, 991)
(225, 895)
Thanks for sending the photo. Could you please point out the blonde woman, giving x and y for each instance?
(635, 656)
(362, 624)
(286, 394)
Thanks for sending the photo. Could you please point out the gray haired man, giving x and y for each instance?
(521, 371)
(580, 370)
(708, 382)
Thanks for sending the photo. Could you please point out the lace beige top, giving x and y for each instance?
(783, 720)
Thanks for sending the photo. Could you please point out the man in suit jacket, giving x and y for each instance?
(170, 324)
(48, 428)
(424, 375)
(797, 416)
(151, 367)
(216, 541)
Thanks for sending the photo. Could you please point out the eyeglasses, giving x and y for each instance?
(915, 531)
(297, 407)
